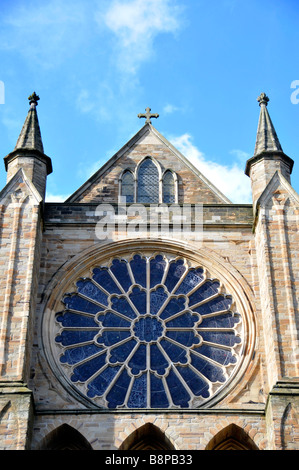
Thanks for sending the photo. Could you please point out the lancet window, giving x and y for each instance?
(147, 185)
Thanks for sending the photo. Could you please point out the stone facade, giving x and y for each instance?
(251, 249)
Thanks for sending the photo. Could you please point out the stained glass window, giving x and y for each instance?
(148, 182)
(127, 187)
(148, 332)
(168, 188)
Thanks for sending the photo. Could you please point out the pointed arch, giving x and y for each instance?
(147, 437)
(65, 437)
(127, 186)
(169, 187)
(148, 181)
(289, 424)
(231, 438)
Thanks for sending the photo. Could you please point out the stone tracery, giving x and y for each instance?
(149, 332)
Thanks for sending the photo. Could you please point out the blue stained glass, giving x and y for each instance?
(148, 329)
(220, 303)
(75, 302)
(173, 306)
(196, 384)
(159, 363)
(157, 299)
(222, 356)
(98, 386)
(180, 396)
(133, 342)
(186, 338)
(138, 395)
(158, 395)
(148, 182)
(75, 320)
(118, 392)
(174, 352)
(208, 289)
(103, 278)
(120, 353)
(138, 267)
(68, 338)
(108, 338)
(192, 279)
(85, 371)
(121, 305)
(168, 188)
(120, 271)
(74, 355)
(157, 268)
(175, 271)
(138, 297)
(226, 338)
(138, 361)
(127, 187)
(110, 319)
(185, 320)
(88, 289)
(220, 321)
(211, 371)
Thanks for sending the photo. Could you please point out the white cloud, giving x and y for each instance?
(135, 25)
(44, 32)
(241, 155)
(230, 180)
(56, 197)
(169, 109)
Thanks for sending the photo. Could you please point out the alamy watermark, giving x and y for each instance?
(172, 221)
(2, 92)
(295, 94)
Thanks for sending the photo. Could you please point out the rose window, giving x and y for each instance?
(149, 332)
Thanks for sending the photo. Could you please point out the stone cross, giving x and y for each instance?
(148, 115)
(33, 99)
(263, 99)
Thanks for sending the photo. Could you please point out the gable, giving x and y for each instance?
(104, 185)
(18, 188)
(278, 185)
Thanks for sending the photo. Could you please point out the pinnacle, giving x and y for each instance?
(266, 139)
(30, 136)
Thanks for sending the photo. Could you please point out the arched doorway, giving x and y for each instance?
(147, 437)
(65, 437)
(232, 438)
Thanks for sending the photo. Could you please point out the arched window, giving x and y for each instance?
(147, 437)
(148, 182)
(65, 437)
(232, 438)
(168, 187)
(127, 186)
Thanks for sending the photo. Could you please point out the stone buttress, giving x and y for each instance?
(21, 207)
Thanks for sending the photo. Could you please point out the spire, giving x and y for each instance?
(268, 157)
(266, 139)
(30, 137)
(28, 153)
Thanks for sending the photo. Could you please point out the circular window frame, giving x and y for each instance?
(80, 266)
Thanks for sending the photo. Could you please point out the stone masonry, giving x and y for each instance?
(253, 249)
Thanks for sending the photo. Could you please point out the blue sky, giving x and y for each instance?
(96, 64)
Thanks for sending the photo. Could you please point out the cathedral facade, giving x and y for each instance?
(147, 311)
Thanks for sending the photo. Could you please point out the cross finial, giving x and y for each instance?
(33, 99)
(263, 99)
(147, 115)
